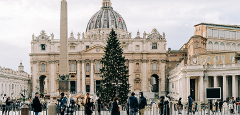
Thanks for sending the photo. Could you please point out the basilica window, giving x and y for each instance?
(238, 35)
(232, 35)
(43, 67)
(137, 66)
(233, 47)
(228, 46)
(98, 66)
(216, 58)
(137, 47)
(72, 67)
(231, 57)
(209, 32)
(222, 46)
(210, 45)
(216, 46)
(87, 67)
(154, 45)
(87, 47)
(221, 33)
(238, 47)
(227, 34)
(196, 45)
(154, 66)
(223, 57)
(215, 33)
(43, 46)
(72, 48)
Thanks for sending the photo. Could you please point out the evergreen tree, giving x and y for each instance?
(114, 72)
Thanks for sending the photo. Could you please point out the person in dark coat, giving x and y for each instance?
(190, 102)
(166, 110)
(180, 106)
(161, 105)
(88, 105)
(133, 104)
(63, 101)
(36, 105)
(70, 107)
(216, 106)
(142, 103)
(220, 105)
(99, 105)
(110, 106)
(127, 108)
(115, 108)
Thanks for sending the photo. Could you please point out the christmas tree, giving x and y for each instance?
(114, 72)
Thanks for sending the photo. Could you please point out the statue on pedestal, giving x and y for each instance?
(150, 88)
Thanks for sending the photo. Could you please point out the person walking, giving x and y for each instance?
(110, 106)
(63, 102)
(36, 105)
(180, 106)
(4, 99)
(70, 107)
(161, 105)
(142, 103)
(8, 105)
(133, 104)
(220, 105)
(231, 105)
(127, 108)
(190, 101)
(115, 109)
(216, 106)
(88, 105)
(166, 106)
(99, 105)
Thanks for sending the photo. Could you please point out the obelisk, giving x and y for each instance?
(63, 59)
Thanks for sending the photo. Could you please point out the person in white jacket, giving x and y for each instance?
(225, 107)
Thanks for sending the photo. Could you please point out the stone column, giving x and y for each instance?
(188, 85)
(52, 78)
(162, 77)
(78, 77)
(201, 89)
(215, 81)
(92, 78)
(34, 77)
(224, 87)
(144, 75)
(234, 94)
(131, 77)
(83, 77)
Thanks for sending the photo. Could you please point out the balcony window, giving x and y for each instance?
(154, 66)
(43, 46)
(72, 67)
(98, 66)
(43, 67)
(88, 67)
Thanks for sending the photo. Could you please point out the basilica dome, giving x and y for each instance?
(106, 18)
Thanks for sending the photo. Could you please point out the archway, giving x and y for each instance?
(42, 83)
(154, 83)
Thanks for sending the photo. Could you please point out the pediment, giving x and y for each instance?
(95, 49)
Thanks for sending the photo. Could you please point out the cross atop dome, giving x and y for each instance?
(106, 3)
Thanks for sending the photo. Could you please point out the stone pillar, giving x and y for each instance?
(188, 85)
(227, 87)
(52, 109)
(163, 78)
(201, 89)
(83, 77)
(234, 94)
(78, 77)
(215, 81)
(34, 77)
(224, 87)
(92, 78)
(144, 75)
(52, 78)
(131, 77)
(25, 110)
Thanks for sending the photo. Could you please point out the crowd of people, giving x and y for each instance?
(67, 105)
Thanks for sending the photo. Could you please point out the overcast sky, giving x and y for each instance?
(19, 19)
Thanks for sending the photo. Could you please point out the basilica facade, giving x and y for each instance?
(145, 54)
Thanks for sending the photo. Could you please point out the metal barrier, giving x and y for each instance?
(171, 109)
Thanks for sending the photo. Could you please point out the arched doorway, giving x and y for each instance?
(42, 83)
(154, 83)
